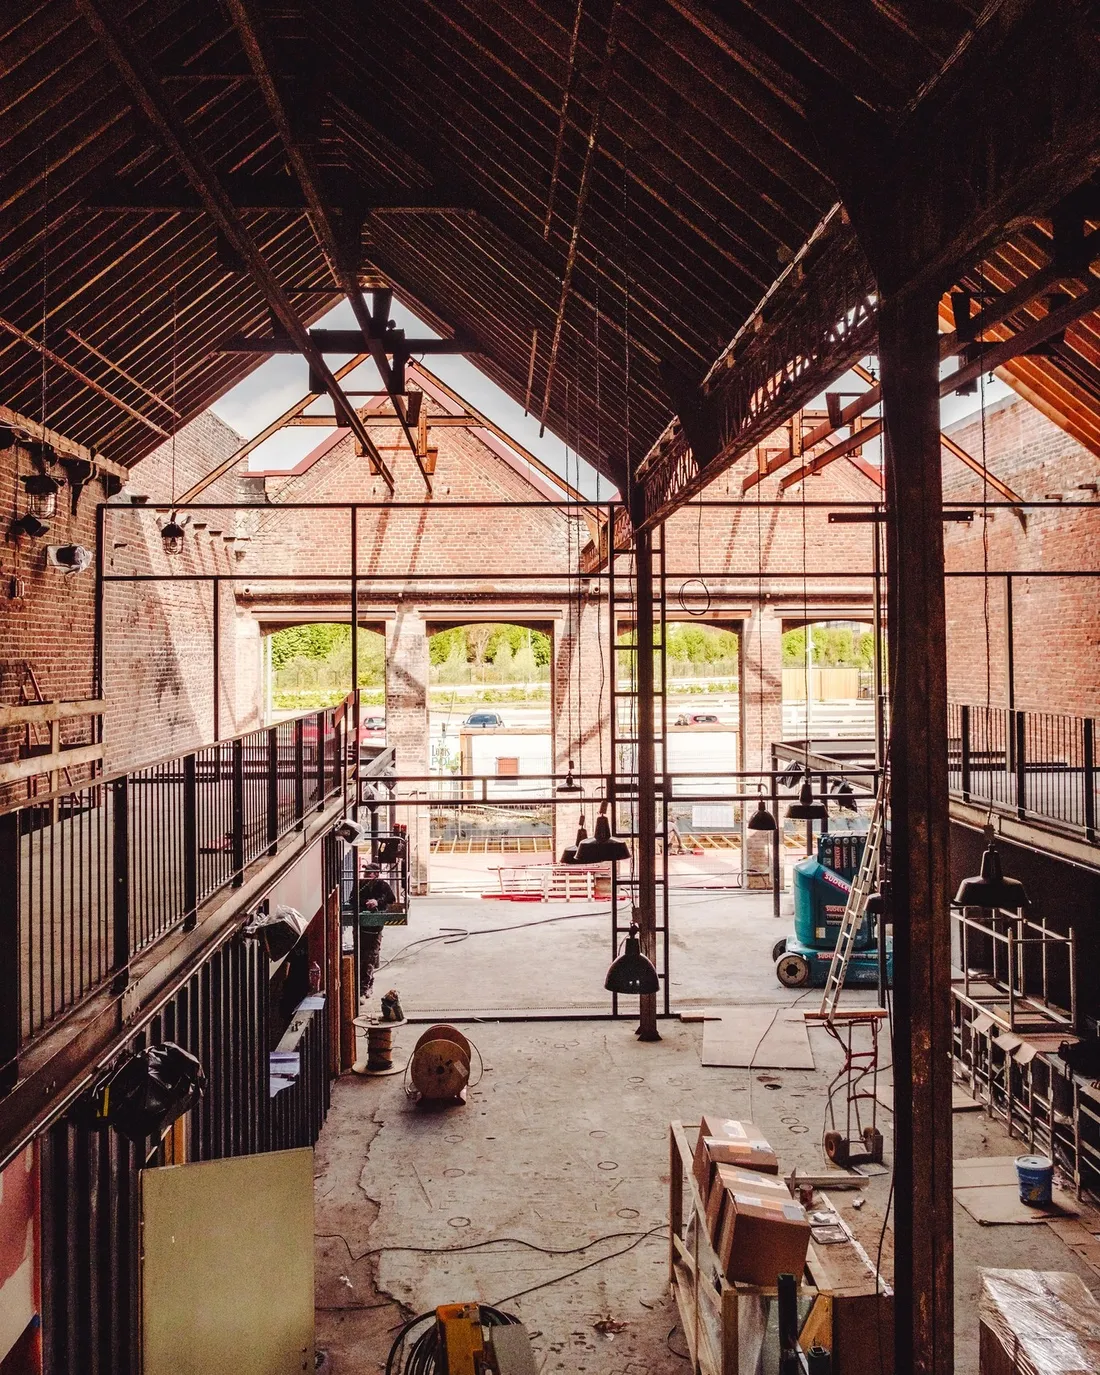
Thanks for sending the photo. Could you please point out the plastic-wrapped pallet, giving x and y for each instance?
(1037, 1322)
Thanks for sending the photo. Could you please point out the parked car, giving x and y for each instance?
(373, 726)
(697, 718)
(486, 720)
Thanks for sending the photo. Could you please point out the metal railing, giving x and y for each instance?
(1036, 764)
(94, 875)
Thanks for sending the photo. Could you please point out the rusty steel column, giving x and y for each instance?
(646, 857)
(924, 1268)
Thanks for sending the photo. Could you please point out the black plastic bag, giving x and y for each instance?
(279, 931)
(150, 1090)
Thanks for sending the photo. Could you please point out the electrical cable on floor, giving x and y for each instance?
(681, 1355)
(477, 1245)
(662, 1230)
(456, 935)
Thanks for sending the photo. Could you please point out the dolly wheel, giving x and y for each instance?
(792, 970)
(779, 948)
(837, 1148)
(872, 1144)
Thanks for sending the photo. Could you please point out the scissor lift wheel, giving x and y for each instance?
(792, 970)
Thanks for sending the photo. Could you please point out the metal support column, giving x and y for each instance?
(216, 627)
(646, 855)
(11, 954)
(353, 760)
(922, 1033)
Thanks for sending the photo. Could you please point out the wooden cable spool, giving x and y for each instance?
(440, 1064)
(379, 1047)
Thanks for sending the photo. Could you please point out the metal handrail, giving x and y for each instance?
(98, 872)
(1035, 765)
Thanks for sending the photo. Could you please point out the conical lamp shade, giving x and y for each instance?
(570, 785)
(806, 809)
(989, 887)
(603, 847)
(761, 819)
(597, 851)
(631, 972)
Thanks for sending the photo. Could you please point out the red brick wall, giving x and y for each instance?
(444, 541)
(727, 536)
(52, 628)
(158, 636)
(1056, 620)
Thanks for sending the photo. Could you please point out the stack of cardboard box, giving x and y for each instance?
(757, 1229)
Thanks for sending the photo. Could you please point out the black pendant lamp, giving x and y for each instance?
(570, 785)
(631, 973)
(603, 846)
(989, 887)
(806, 809)
(761, 819)
(569, 854)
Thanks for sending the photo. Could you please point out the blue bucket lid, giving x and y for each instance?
(1034, 1162)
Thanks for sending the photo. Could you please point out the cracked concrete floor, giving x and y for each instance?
(563, 1141)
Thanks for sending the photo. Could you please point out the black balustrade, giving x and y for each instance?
(1037, 765)
(93, 876)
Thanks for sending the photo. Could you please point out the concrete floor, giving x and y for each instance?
(565, 1141)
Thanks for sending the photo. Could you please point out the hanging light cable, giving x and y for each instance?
(806, 809)
(761, 819)
(989, 887)
(171, 532)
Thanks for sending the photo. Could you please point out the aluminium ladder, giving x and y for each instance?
(855, 907)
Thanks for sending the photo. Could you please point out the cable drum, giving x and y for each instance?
(439, 1067)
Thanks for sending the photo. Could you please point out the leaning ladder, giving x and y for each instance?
(856, 906)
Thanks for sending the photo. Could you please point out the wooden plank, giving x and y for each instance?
(51, 356)
(39, 713)
(18, 769)
(34, 429)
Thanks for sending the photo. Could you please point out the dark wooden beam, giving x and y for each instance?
(339, 241)
(923, 1231)
(146, 94)
(1025, 340)
(343, 341)
(267, 194)
(1012, 126)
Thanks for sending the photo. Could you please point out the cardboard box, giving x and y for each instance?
(1037, 1322)
(732, 1177)
(725, 1141)
(762, 1231)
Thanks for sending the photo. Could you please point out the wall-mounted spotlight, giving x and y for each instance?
(30, 525)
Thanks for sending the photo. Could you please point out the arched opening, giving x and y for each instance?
(490, 714)
(828, 679)
(308, 666)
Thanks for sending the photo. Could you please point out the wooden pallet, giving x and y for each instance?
(724, 1323)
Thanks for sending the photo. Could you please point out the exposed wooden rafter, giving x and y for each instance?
(144, 89)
